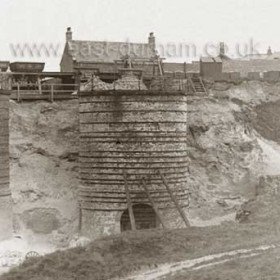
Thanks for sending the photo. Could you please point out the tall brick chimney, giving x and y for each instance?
(152, 42)
(6, 214)
(68, 34)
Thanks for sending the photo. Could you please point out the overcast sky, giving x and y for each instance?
(199, 22)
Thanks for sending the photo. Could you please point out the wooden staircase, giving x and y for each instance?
(197, 84)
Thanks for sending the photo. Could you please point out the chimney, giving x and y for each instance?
(269, 52)
(68, 34)
(222, 48)
(152, 42)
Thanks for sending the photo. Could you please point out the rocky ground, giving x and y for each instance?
(230, 149)
(44, 170)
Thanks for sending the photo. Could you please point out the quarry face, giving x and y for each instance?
(227, 153)
(44, 143)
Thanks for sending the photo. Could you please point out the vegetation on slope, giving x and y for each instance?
(118, 256)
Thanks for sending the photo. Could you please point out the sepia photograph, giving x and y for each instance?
(139, 140)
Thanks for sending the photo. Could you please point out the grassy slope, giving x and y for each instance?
(121, 255)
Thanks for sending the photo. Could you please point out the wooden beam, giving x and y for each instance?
(52, 94)
(152, 202)
(41, 74)
(18, 92)
(129, 203)
(39, 85)
(182, 213)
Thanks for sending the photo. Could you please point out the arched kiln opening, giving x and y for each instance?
(145, 217)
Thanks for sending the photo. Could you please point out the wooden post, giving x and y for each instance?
(182, 213)
(18, 93)
(92, 86)
(39, 85)
(10, 83)
(129, 203)
(152, 202)
(52, 94)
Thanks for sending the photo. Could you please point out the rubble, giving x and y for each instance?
(127, 82)
(96, 84)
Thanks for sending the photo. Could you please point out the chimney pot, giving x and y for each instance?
(269, 51)
(152, 43)
(69, 34)
(222, 48)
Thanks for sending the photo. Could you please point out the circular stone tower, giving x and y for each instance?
(5, 193)
(138, 133)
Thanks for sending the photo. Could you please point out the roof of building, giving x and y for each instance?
(103, 51)
(273, 56)
(210, 59)
(175, 66)
(224, 57)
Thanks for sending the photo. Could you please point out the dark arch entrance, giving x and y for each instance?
(145, 217)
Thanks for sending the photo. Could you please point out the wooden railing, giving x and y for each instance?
(32, 91)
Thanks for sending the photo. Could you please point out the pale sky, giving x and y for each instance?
(178, 22)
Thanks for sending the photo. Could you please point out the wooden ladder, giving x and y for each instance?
(197, 84)
(129, 203)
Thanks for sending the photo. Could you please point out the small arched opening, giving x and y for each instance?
(145, 217)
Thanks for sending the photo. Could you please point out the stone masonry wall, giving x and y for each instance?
(137, 132)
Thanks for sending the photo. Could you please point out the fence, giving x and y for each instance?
(29, 91)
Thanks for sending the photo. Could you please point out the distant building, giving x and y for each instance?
(269, 55)
(211, 67)
(103, 56)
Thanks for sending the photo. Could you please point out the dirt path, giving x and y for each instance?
(165, 271)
